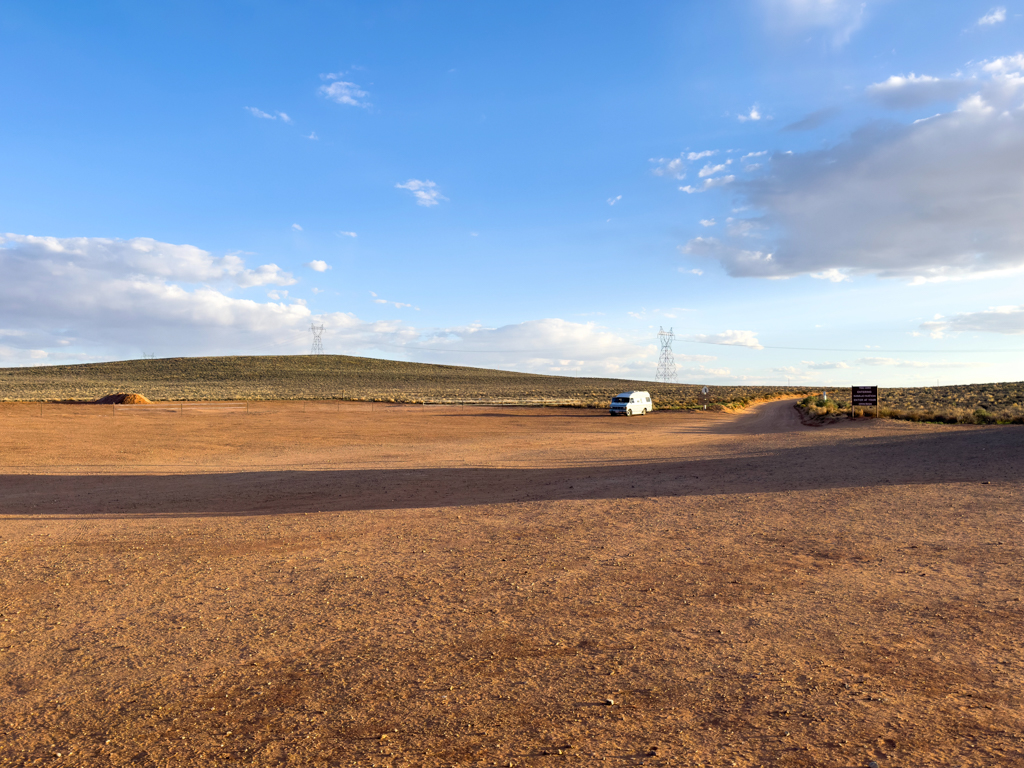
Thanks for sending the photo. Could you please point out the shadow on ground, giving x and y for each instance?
(990, 454)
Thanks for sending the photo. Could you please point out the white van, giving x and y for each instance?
(630, 403)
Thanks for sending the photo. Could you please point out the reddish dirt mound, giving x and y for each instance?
(123, 398)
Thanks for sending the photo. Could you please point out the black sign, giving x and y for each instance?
(864, 395)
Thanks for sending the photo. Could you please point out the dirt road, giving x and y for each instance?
(445, 586)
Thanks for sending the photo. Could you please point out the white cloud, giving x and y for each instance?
(1008, 320)
(297, 227)
(267, 116)
(711, 170)
(895, 363)
(720, 181)
(260, 113)
(74, 296)
(730, 338)
(707, 222)
(342, 91)
(935, 200)
(318, 265)
(832, 275)
(425, 192)
(699, 155)
(824, 366)
(313, 136)
(754, 114)
(81, 299)
(347, 234)
(996, 16)
(672, 168)
(614, 200)
(913, 91)
(840, 18)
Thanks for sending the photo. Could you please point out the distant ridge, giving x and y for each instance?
(315, 377)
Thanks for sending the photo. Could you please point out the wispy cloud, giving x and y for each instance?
(297, 227)
(730, 339)
(396, 304)
(719, 181)
(824, 366)
(425, 192)
(342, 91)
(838, 18)
(614, 200)
(1007, 320)
(813, 120)
(346, 234)
(996, 16)
(707, 222)
(267, 115)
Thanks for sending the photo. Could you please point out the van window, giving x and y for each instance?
(620, 399)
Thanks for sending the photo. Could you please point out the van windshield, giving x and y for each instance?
(620, 399)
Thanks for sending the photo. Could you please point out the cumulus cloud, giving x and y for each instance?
(938, 199)
(707, 222)
(342, 91)
(730, 339)
(753, 114)
(425, 192)
(318, 265)
(80, 299)
(75, 294)
(996, 16)
(1009, 320)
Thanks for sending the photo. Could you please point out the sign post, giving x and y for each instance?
(702, 398)
(863, 396)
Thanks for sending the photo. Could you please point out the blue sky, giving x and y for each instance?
(816, 191)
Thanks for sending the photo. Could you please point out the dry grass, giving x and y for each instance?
(319, 377)
(966, 404)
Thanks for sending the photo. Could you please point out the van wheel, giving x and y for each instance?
(643, 412)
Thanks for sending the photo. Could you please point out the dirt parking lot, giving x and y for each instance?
(324, 584)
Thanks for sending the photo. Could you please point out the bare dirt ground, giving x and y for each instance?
(322, 584)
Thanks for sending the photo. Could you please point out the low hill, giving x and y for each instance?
(314, 377)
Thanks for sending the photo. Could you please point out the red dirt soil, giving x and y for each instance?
(347, 585)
